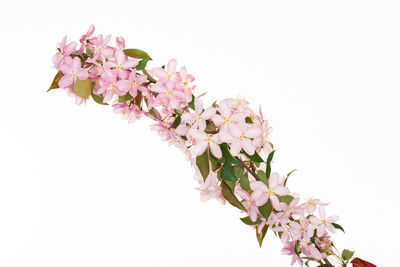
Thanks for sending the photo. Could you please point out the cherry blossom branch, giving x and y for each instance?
(213, 139)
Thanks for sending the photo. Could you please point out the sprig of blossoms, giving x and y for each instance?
(227, 142)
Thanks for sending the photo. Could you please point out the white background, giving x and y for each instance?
(81, 187)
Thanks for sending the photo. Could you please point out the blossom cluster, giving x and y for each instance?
(227, 142)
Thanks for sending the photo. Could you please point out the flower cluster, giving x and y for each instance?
(227, 142)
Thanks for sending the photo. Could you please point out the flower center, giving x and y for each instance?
(74, 74)
(118, 67)
(133, 85)
(227, 120)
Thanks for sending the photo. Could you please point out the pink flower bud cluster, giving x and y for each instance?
(165, 94)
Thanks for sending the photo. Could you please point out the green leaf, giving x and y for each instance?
(269, 160)
(260, 237)
(230, 197)
(238, 170)
(211, 128)
(255, 157)
(287, 199)
(296, 247)
(54, 84)
(337, 226)
(124, 98)
(221, 160)
(231, 185)
(287, 176)
(202, 162)
(89, 52)
(248, 221)
(227, 154)
(98, 98)
(176, 122)
(347, 254)
(191, 103)
(83, 88)
(136, 53)
(153, 113)
(249, 120)
(244, 182)
(261, 174)
(142, 64)
(227, 172)
(266, 209)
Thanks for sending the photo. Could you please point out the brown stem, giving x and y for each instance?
(328, 263)
(248, 168)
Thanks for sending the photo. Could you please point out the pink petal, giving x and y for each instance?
(171, 66)
(215, 150)
(124, 85)
(235, 148)
(199, 148)
(208, 113)
(248, 146)
(65, 81)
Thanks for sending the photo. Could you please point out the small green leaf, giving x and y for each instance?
(287, 176)
(231, 185)
(244, 182)
(153, 113)
(266, 209)
(347, 254)
(191, 103)
(296, 248)
(227, 172)
(54, 84)
(261, 174)
(255, 157)
(260, 237)
(98, 98)
(269, 160)
(230, 197)
(227, 154)
(176, 122)
(287, 199)
(238, 170)
(136, 53)
(142, 64)
(202, 162)
(248, 221)
(249, 120)
(211, 128)
(337, 226)
(83, 88)
(89, 52)
(124, 98)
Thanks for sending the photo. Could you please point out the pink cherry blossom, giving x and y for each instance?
(227, 121)
(240, 139)
(288, 249)
(64, 51)
(133, 83)
(198, 119)
(312, 203)
(130, 112)
(110, 86)
(210, 189)
(169, 95)
(323, 223)
(72, 70)
(273, 190)
(121, 64)
(168, 73)
(287, 210)
(252, 201)
(86, 38)
(203, 141)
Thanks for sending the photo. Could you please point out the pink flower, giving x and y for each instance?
(198, 119)
(287, 210)
(169, 95)
(110, 85)
(85, 38)
(240, 139)
(274, 188)
(285, 235)
(120, 43)
(203, 141)
(121, 64)
(301, 230)
(252, 201)
(262, 141)
(288, 249)
(169, 73)
(64, 51)
(72, 70)
(130, 112)
(323, 223)
(133, 83)
(311, 204)
(228, 122)
(210, 189)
